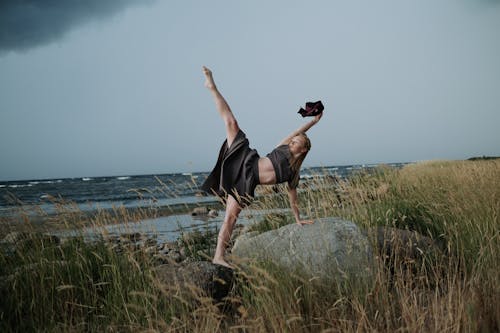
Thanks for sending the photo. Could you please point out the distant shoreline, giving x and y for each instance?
(480, 158)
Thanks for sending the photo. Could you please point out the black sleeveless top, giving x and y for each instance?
(280, 158)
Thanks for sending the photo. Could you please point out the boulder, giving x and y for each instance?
(213, 280)
(329, 248)
(24, 241)
(15, 236)
(403, 248)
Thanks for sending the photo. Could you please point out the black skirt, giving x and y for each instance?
(236, 172)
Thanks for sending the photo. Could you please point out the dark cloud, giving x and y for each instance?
(28, 23)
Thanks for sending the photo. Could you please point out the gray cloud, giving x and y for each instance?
(25, 24)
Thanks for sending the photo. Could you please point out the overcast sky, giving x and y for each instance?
(116, 87)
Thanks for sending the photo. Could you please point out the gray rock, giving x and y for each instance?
(161, 259)
(199, 211)
(133, 237)
(150, 250)
(403, 248)
(26, 241)
(175, 256)
(15, 236)
(330, 247)
(213, 213)
(150, 242)
(214, 280)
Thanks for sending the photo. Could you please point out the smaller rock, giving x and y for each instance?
(15, 236)
(199, 211)
(36, 241)
(133, 237)
(213, 213)
(161, 259)
(164, 251)
(214, 280)
(150, 250)
(183, 252)
(125, 242)
(175, 256)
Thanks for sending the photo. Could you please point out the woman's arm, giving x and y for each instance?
(292, 195)
(304, 128)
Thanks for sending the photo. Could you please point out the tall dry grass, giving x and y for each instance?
(80, 286)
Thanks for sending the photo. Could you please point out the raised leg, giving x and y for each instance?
(223, 108)
(233, 210)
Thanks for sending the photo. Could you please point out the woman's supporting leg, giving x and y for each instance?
(233, 209)
(223, 108)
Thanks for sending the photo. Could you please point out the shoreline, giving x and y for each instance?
(82, 219)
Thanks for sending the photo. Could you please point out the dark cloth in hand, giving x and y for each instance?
(312, 109)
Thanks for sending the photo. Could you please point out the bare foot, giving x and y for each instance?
(221, 262)
(209, 82)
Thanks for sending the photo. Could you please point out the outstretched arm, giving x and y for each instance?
(304, 128)
(292, 195)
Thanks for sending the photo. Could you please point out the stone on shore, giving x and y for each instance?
(329, 248)
(204, 212)
(213, 280)
(199, 211)
(19, 241)
(403, 248)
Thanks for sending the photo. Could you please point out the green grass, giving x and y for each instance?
(269, 222)
(79, 286)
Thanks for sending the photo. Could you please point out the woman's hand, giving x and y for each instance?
(302, 222)
(318, 117)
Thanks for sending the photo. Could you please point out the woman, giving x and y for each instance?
(239, 168)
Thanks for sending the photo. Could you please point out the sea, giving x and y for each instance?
(89, 194)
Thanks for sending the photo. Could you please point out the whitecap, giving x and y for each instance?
(20, 185)
(123, 178)
(1, 185)
(86, 179)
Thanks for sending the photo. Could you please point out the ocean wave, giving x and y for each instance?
(37, 182)
(20, 185)
(123, 178)
(86, 179)
(1, 185)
